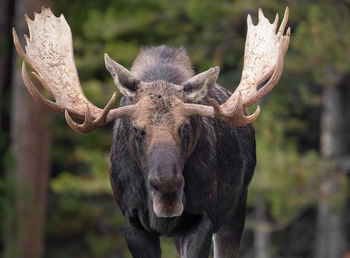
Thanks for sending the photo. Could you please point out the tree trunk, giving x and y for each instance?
(6, 11)
(261, 232)
(335, 137)
(30, 143)
(4, 41)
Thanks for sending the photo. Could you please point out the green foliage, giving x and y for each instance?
(92, 225)
(168, 248)
(288, 179)
(322, 41)
(94, 181)
(7, 215)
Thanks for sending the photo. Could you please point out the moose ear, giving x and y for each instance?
(125, 81)
(196, 88)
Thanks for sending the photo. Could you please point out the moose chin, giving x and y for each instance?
(183, 150)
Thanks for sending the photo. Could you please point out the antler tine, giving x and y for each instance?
(86, 127)
(284, 21)
(234, 114)
(18, 46)
(275, 23)
(107, 115)
(36, 94)
(49, 52)
(89, 123)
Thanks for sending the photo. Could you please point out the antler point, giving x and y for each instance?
(249, 20)
(288, 31)
(114, 96)
(71, 122)
(107, 58)
(28, 20)
(260, 14)
(213, 70)
(275, 23)
(287, 12)
(14, 34)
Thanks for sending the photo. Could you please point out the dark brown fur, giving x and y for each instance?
(162, 63)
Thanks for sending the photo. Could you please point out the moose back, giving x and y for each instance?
(183, 150)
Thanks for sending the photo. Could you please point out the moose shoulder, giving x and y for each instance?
(183, 150)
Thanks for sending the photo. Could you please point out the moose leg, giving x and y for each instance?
(141, 243)
(196, 242)
(228, 237)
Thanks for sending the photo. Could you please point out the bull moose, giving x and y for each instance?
(183, 150)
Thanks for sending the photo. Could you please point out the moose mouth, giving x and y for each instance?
(167, 206)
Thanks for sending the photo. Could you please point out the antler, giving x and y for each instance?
(49, 52)
(263, 61)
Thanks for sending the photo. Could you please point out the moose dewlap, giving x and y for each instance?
(183, 150)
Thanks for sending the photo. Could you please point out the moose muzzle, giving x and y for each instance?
(165, 181)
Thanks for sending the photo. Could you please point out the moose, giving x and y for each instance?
(183, 151)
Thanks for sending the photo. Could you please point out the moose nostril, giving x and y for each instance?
(166, 184)
(155, 184)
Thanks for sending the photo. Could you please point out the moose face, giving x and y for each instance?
(162, 138)
(162, 134)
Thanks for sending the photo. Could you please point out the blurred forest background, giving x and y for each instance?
(55, 196)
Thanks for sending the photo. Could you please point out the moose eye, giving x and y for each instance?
(183, 130)
(139, 132)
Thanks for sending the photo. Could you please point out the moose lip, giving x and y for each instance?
(166, 208)
(166, 211)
